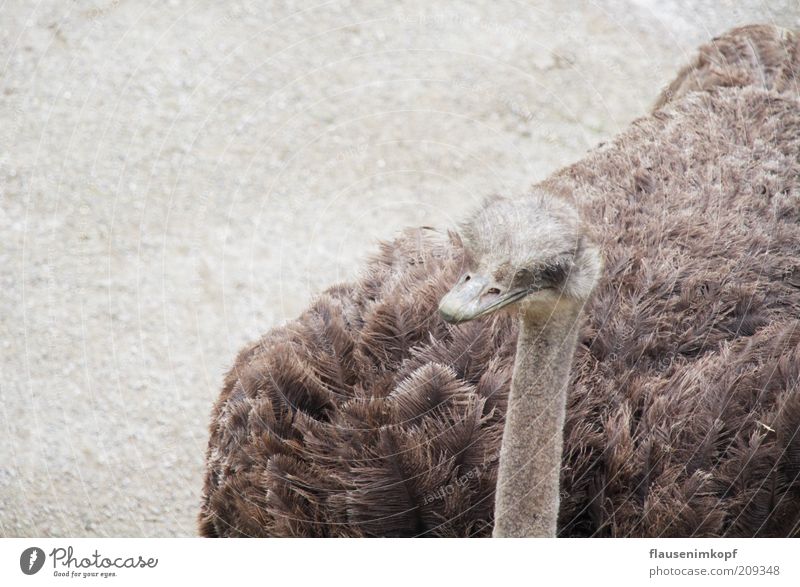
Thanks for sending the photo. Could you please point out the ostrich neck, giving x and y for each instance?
(526, 500)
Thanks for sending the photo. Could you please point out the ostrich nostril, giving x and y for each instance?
(493, 291)
(467, 277)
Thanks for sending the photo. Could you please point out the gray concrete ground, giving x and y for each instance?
(177, 177)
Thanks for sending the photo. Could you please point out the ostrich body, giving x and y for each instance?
(679, 393)
(757, 56)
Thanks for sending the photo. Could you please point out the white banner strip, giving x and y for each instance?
(126, 561)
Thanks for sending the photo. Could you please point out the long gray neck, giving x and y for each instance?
(526, 499)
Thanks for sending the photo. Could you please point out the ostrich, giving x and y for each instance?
(549, 269)
(679, 390)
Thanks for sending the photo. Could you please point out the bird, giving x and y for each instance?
(756, 55)
(646, 296)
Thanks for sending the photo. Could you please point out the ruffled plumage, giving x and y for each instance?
(369, 416)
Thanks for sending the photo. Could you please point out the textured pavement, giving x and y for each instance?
(178, 177)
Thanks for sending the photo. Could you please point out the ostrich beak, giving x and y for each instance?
(475, 296)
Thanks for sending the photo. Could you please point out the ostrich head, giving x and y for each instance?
(529, 253)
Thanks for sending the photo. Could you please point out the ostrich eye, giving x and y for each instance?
(554, 274)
